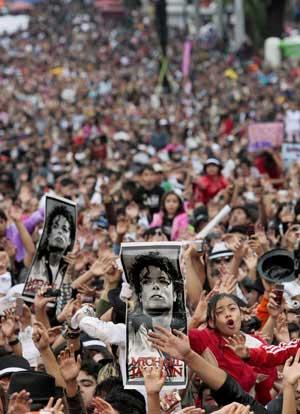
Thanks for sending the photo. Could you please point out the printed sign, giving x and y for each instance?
(290, 153)
(59, 233)
(265, 135)
(153, 272)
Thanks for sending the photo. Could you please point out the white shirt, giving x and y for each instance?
(110, 333)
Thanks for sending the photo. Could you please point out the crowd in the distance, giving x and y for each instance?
(81, 117)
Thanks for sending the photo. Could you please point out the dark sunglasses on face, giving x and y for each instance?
(219, 260)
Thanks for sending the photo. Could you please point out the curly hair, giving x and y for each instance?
(57, 211)
(137, 317)
(156, 260)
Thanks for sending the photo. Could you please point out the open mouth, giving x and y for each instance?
(230, 323)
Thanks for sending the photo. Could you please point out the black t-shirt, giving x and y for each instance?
(167, 227)
(150, 199)
(232, 391)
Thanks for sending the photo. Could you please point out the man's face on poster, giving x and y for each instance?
(157, 293)
(60, 234)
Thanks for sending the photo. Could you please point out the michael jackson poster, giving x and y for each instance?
(153, 272)
(58, 237)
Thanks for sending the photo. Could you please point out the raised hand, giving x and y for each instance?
(238, 247)
(272, 238)
(26, 317)
(15, 213)
(234, 408)
(53, 333)
(191, 253)
(274, 309)
(255, 243)
(19, 403)
(85, 290)
(67, 312)
(237, 344)
(40, 336)
(69, 365)
(281, 330)
(102, 265)
(251, 259)
(228, 281)
(176, 346)
(81, 262)
(102, 407)
(82, 312)
(191, 410)
(40, 301)
(154, 377)
(70, 259)
(8, 324)
(291, 370)
(57, 408)
(169, 402)
(200, 314)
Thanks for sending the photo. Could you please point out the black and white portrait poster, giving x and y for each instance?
(58, 237)
(153, 272)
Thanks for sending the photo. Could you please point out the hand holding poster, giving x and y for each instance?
(59, 233)
(153, 272)
(263, 135)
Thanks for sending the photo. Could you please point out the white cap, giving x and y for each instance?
(220, 249)
(213, 161)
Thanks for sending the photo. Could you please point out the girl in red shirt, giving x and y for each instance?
(224, 320)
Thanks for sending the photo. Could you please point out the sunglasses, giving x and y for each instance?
(219, 260)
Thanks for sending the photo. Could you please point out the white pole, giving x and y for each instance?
(220, 18)
(239, 29)
(213, 222)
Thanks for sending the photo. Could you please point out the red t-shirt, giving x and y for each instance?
(208, 186)
(241, 371)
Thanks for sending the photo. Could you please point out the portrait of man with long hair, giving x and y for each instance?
(158, 300)
(48, 266)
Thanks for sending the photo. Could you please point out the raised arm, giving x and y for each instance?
(154, 378)
(40, 306)
(291, 380)
(41, 341)
(226, 388)
(16, 216)
(265, 356)
(108, 332)
(195, 274)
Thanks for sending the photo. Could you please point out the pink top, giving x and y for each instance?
(180, 222)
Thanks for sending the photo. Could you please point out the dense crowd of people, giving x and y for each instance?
(82, 117)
